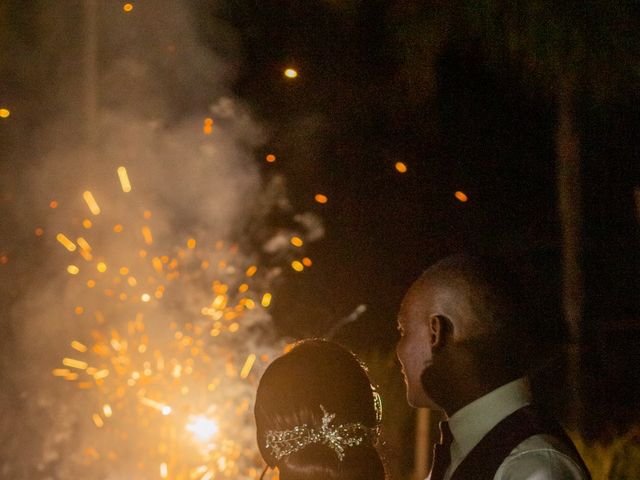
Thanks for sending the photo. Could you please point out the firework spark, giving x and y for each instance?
(171, 389)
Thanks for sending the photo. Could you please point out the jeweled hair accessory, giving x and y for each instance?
(337, 437)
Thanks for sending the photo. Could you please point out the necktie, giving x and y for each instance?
(442, 452)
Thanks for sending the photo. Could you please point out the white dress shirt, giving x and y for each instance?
(539, 457)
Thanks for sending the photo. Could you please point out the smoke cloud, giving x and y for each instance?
(179, 315)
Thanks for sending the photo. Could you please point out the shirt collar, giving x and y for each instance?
(472, 422)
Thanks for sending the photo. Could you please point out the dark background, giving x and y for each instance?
(363, 100)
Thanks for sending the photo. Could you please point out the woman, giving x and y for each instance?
(318, 416)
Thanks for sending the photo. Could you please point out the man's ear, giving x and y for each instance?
(440, 331)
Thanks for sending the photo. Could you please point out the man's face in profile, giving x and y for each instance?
(414, 347)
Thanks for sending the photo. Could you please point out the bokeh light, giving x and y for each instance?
(291, 73)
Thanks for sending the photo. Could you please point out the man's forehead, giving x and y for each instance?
(415, 299)
(428, 292)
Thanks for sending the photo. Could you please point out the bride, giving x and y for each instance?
(318, 416)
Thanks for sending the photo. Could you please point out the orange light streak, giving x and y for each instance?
(461, 196)
(124, 179)
(66, 243)
(248, 365)
(320, 198)
(266, 300)
(148, 237)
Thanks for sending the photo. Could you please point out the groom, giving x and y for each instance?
(463, 349)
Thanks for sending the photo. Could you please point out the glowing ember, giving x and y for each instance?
(203, 428)
(124, 179)
(4, 113)
(148, 237)
(290, 73)
(461, 196)
(248, 365)
(266, 300)
(73, 270)
(320, 198)
(207, 128)
(76, 345)
(401, 167)
(66, 243)
(91, 202)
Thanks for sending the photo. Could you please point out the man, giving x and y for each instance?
(463, 349)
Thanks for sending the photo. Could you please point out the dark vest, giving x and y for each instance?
(483, 461)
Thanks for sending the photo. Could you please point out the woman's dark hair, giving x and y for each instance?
(291, 392)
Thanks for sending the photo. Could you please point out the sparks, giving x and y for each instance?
(148, 237)
(320, 198)
(203, 428)
(81, 347)
(73, 270)
(207, 128)
(66, 243)
(461, 196)
(91, 202)
(266, 300)
(73, 363)
(248, 365)
(290, 73)
(401, 167)
(97, 419)
(124, 179)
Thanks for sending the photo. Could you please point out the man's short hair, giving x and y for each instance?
(503, 329)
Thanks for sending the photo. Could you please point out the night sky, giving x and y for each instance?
(486, 128)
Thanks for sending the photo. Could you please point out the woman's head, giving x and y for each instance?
(319, 380)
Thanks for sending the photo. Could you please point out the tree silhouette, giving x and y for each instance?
(571, 49)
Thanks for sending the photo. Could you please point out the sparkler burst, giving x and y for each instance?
(164, 354)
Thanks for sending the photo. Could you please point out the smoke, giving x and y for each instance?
(176, 316)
